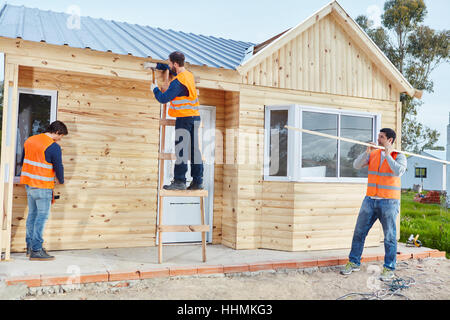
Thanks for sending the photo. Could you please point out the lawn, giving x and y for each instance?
(430, 221)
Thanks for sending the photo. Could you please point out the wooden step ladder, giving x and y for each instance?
(162, 193)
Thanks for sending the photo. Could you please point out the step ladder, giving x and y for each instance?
(202, 194)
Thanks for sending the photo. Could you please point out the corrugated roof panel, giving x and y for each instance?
(118, 37)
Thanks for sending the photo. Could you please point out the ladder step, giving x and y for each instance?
(167, 122)
(200, 228)
(167, 156)
(183, 193)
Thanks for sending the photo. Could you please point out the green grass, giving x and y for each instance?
(430, 221)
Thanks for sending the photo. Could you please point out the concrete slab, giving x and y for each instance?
(127, 259)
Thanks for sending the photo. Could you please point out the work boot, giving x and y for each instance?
(40, 255)
(175, 185)
(195, 186)
(349, 268)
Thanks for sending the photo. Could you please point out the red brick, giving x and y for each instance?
(403, 256)
(307, 264)
(369, 258)
(235, 268)
(122, 285)
(30, 281)
(94, 277)
(437, 254)
(343, 261)
(123, 275)
(210, 269)
(288, 264)
(154, 273)
(58, 280)
(420, 255)
(261, 266)
(182, 271)
(326, 262)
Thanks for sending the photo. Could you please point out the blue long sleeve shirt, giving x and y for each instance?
(53, 155)
(176, 89)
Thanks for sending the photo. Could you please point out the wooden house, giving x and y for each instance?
(269, 188)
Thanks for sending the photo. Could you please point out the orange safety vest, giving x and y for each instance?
(382, 181)
(36, 171)
(185, 106)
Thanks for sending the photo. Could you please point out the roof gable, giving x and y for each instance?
(119, 37)
(374, 60)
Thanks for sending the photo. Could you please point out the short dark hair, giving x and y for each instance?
(177, 57)
(389, 134)
(57, 127)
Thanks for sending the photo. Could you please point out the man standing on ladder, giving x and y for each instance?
(184, 103)
(381, 202)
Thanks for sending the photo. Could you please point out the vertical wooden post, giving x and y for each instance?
(202, 213)
(8, 156)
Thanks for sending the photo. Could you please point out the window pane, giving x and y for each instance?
(278, 143)
(34, 118)
(356, 128)
(319, 154)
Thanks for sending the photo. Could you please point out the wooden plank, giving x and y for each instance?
(184, 228)
(8, 155)
(287, 37)
(183, 193)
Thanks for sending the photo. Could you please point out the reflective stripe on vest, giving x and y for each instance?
(36, 171)
(185, 106)
(382, 182)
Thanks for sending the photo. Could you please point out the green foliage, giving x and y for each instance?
(416, 51)
(430, 221)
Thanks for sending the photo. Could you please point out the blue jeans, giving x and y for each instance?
(39, 203)
(386, 210)
(187, 148)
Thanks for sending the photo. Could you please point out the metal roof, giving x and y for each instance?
(119, 37)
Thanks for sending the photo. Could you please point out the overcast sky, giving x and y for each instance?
(255, 21)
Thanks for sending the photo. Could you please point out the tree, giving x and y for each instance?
(416, 51)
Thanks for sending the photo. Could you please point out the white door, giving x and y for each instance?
(186, 210)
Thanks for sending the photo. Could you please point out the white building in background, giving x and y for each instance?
(448, 159)
(424, 172)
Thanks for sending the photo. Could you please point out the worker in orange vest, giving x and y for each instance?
(382, 202)
(184, 103)
(42, 160)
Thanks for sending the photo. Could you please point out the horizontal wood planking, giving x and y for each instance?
(106, 201)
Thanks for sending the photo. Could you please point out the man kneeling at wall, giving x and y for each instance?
(42, 159)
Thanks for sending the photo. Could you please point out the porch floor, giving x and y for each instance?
(135, 263)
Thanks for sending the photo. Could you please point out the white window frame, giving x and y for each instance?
(53, 108)
(295, 142)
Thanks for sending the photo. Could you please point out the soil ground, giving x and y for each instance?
(430, 281)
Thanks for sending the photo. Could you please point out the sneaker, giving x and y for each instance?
(387, 275)
(28, 251)
(349, 268)
(175, 185)
(40, 255)
(195, 186)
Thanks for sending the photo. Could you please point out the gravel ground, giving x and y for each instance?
(430, 281)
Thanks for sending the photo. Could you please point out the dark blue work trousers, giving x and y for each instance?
(187, 149)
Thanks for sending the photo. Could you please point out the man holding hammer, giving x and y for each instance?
(184, 103)
(382, 202)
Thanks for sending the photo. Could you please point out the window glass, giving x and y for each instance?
(278, 143)
(356, 128)
(319, 154)
(34, 118)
